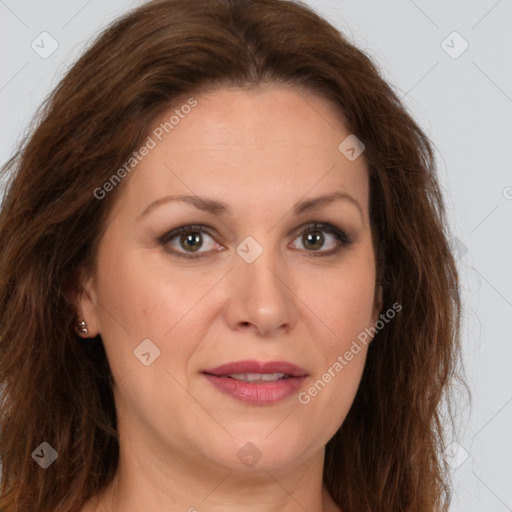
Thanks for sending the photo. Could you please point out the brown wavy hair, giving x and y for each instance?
(387, 455)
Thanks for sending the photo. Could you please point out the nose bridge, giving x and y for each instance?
(256, 266)
(258, 272)
(258, 293)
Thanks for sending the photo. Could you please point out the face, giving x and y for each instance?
(252, 268)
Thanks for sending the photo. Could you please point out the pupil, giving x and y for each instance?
(189, 239)
(314, 239)
(193, 240)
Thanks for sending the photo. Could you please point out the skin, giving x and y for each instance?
(260, 151)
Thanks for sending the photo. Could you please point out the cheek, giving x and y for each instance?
(330, 396)
(345, 307)
(330, 392)
(141, 298)
(147, 296)
(343, 303)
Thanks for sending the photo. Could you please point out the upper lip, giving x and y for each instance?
(239, 367)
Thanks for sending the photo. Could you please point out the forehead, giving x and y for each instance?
(249, 148)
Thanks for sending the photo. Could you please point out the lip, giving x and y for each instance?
(257, 393)
(258, 367)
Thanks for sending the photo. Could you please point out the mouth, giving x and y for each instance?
(256, 382)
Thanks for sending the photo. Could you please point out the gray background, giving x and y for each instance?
(464, 103)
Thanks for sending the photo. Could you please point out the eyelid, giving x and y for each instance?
(343, 239)
(185, 229)
(327, 226)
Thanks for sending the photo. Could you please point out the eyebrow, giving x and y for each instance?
(220, 208)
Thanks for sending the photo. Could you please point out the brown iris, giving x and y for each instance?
(189, 239)
(313, 239)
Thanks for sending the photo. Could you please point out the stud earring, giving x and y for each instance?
(81, 328)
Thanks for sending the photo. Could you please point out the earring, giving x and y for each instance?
(81, 328)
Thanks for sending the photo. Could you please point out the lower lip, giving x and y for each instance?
(257, 393)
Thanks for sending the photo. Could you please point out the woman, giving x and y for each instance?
(226, 282)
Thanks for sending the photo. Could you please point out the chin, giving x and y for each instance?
(265, 451)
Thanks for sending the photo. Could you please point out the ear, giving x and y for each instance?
(87, 306)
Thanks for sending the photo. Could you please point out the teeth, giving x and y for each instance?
(252, 377)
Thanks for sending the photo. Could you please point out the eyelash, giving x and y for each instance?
(340, 236)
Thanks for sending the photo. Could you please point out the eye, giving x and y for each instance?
(313, 239)
(189, 239)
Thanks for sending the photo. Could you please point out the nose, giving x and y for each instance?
(260, 296)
